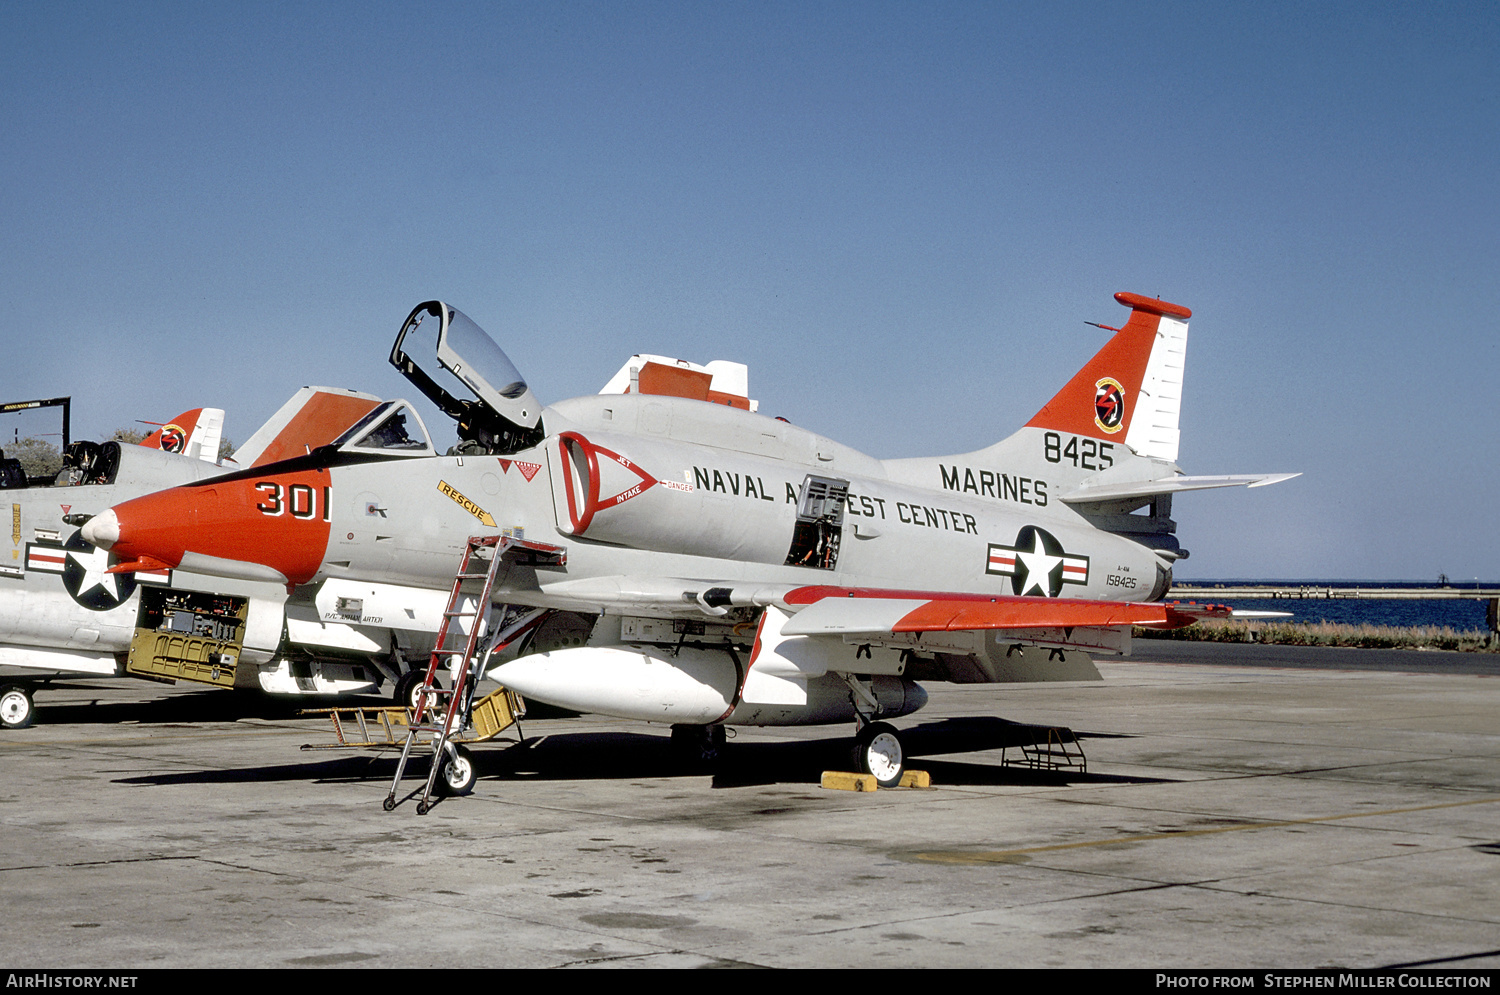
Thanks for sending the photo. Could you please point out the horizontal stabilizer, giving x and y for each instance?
(1091, 493)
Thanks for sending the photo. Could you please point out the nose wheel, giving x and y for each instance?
(878, 751)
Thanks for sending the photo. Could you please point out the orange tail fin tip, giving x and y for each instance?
(1139, 371)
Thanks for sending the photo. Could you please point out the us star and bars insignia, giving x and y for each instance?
(1036, 564)
(85, 573)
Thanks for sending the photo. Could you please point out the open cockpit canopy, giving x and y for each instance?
(458, 367)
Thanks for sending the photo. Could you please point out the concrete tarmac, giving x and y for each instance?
(1232, 814)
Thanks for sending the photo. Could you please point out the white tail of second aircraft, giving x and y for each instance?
(195, 434)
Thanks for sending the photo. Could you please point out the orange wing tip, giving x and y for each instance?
(1180, 615)
(146, 563)
(1207, 608)
(1153, 305)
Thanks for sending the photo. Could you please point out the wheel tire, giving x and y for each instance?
(700, 746)
(878, 751)
(17, 710)
(409, 688)
(459, 773)
(713, 750)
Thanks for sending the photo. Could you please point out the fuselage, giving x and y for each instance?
(708, 564)
(642, 491)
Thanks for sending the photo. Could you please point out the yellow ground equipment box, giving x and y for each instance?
(187, 636)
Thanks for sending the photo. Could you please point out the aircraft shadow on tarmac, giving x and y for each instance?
(626, 755)
(208, 705)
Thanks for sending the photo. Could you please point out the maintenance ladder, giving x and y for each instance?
(442, 713)
(1061, 751)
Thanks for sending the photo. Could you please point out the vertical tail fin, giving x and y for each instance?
(194, 433)
(314, 416)
(1131, 390)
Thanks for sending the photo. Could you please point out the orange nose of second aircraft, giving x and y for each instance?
(252, 528)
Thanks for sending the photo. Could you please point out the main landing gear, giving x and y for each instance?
(699, 746)
(877, 747)
(17, 709)
(877, 750)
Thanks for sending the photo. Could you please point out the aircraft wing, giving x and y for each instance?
(828, 610)
(854, 611)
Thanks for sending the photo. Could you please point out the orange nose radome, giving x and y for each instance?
(272, 528)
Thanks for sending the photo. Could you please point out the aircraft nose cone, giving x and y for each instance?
(102, 530)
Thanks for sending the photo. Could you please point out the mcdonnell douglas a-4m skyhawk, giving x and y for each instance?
(674, 557)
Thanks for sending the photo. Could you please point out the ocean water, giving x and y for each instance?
(1457, 613)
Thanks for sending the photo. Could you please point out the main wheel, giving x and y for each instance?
(700, 746)
(16, 707)
(459, 773)
(877, 750)
(409, 688)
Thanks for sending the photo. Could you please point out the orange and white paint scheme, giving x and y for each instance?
(715, 566)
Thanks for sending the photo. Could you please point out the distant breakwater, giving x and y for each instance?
(1391, 604)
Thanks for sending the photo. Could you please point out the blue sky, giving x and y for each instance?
(899, 215)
